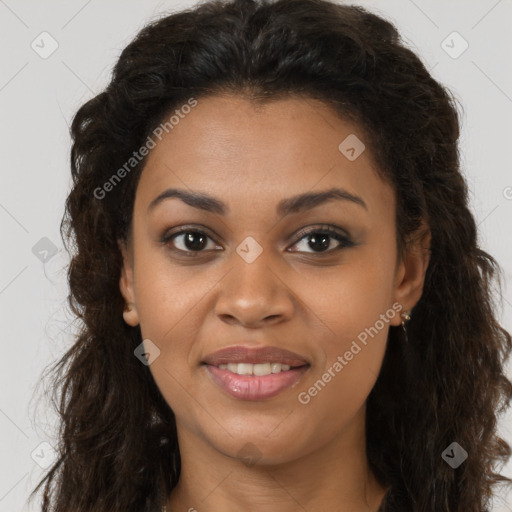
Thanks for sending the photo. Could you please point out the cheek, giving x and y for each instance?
(356, 305)
(355, 294)
(165, 305)
(165, 294)
(168, 304)
(338, 391)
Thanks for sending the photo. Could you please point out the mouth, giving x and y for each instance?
(246, 381)
(255, 373)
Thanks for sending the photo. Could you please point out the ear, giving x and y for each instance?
(411, 271)
(130, 314)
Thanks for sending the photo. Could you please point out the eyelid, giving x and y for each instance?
(168, 233)
(323, 228)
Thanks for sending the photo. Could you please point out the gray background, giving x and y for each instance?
(37, 99)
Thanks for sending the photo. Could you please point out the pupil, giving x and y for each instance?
(319, 241)
(195, 241)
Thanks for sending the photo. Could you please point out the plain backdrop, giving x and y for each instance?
(466, 45)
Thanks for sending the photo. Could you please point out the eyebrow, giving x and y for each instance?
(301, 202)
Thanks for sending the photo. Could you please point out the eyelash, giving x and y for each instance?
(344, 240)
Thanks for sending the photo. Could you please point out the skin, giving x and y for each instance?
(306, 456)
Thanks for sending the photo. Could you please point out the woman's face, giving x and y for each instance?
(254, 268)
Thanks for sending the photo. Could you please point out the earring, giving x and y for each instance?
(405, 318)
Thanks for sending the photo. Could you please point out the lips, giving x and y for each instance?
(241, 354)
(255, 387)
(252, 387)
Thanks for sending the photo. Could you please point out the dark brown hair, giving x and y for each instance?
(117, 443)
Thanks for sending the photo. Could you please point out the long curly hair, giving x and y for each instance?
(446, 384)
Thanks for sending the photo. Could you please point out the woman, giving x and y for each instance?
(284, 304)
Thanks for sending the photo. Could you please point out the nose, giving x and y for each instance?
(255, 295)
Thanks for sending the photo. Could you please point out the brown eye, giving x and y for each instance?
(319, 240)
(189, 240)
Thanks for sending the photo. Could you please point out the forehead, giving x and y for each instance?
(257, 154)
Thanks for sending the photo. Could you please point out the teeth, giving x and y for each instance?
(259, 369)
(275, 367)
(244, 369)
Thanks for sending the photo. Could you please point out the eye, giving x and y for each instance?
(189, 240)
(320, 240)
